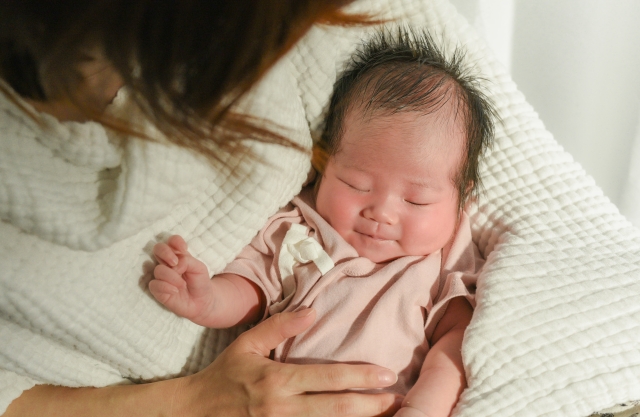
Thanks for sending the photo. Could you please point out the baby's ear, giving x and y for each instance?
(467, 197)
(470, 186)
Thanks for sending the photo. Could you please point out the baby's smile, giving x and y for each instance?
(389, 191)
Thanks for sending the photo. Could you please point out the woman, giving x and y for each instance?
(79, 202)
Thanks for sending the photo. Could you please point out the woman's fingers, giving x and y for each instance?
(310, 378)
(348, 405)
(245, 381)
(338, 377)
(270, 333)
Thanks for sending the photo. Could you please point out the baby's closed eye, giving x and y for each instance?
(417, 203)
(354, 185)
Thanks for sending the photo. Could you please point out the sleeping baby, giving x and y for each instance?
(380, 245)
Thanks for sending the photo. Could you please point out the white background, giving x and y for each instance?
(578, 64)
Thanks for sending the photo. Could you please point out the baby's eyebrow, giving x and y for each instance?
(351, 165)
(345, 162)
(426, 185)
(420, 182)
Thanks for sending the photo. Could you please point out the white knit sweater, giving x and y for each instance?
(557, 325)
(81, 210)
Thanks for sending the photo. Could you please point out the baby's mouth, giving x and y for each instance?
(377, 238)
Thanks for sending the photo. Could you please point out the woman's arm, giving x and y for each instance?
(442, 377)
(240, 382)
(125, 400)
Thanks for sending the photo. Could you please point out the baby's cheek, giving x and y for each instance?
(414, 243)
(345, 208)
(425, 240)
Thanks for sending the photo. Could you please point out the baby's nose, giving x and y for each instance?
(382, 211)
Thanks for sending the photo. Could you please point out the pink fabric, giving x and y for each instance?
(366, 312)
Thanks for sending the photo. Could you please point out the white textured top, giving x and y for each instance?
(557, 324)
(81, 211)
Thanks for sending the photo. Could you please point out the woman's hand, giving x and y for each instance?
(240, 382)
(243, 382)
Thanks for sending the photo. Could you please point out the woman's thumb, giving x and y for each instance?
(276, 329)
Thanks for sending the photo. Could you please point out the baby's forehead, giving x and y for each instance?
(445, 123)
(409, 137)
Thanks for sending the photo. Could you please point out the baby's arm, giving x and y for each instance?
(442, 377)
(182, 284)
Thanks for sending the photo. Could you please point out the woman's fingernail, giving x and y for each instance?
(387, 376)
(303, 313)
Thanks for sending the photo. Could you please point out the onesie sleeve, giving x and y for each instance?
(458, 275)
(257, 261)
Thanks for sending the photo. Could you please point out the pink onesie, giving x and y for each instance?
(366, 312)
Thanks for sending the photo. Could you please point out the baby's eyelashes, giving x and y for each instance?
(357, 188)
(413, 203)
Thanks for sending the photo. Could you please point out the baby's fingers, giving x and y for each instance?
(162, 291)
(177, 243)
(165, 274)
(165, 254)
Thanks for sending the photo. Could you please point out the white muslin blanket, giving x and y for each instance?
(556, 330)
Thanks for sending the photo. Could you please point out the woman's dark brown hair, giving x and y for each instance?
(185, 61)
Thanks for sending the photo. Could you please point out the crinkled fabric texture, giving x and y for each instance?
(557, 324)
(81, 210)
(556, 329)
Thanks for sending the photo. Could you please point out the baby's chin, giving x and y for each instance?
(377, 250)
(382, 252)
(377, 256)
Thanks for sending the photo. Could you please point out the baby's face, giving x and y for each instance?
(389, 191)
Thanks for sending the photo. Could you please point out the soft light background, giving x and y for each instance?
(578, 64)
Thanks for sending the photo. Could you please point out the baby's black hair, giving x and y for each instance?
(406, 71)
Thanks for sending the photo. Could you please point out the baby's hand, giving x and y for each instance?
(182, 283)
